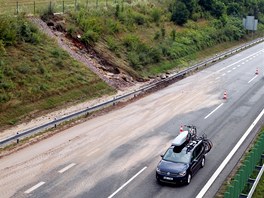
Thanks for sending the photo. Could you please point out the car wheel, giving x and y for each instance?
(189, 178)
(203, 162)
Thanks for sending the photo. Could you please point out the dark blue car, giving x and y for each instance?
(180, 163)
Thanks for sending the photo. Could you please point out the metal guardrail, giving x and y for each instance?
(88, 110)
(252, 190)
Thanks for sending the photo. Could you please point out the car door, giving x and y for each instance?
(196, 159)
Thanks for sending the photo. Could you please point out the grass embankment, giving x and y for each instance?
(142, 37)
(36, 75)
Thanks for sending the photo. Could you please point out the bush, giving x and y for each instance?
(156, 15)
(2, 48)
(112, 45)
(139, 19)
(90, 37)
(4, 97)
(131, 42)
(113, 26)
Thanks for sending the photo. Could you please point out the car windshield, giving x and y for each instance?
(181, 157)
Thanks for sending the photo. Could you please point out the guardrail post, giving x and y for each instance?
(17, 138)
(55, 125)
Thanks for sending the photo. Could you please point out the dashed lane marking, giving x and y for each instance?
(67, 168)
(213, 111)
(239, 61)
(34, 187)
(130, 180)
(252, 79)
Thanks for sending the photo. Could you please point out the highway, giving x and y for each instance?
(116, 154)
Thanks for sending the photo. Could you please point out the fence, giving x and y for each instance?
(241, 179)
(62, 6)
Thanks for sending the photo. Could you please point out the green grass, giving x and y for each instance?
(259, 192)
(28, 6)
(35, 78)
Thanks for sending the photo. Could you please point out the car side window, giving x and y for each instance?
(198, 150)
(193, 155)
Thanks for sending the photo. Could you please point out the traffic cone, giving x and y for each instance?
(225, 95)
(181, 129)
(257, 71)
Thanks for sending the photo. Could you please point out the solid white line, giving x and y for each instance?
(253, 79)
(34, 187)
(230, 155)
(132, 178)
(67, 168)
(213, 111)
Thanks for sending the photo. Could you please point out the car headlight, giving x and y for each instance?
(182, 173)
(158, 170)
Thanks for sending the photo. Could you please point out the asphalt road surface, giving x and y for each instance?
(115, 155)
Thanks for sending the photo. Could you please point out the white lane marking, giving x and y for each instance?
(230, 155)
(223, 74)
(243, 63)
(234, 68)
(228, 71)
(238, 65)
(213, 111)
(239, 61)
(34, 187)
(67, 168)
(217, 78)
(131, 179)
(253, 79)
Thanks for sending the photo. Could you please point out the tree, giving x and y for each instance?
(190, 5)
(218, 9)
(233, 9)
(180, 13)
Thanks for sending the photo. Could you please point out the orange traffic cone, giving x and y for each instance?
(181, 129)
(225, 95)
(257, 71)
